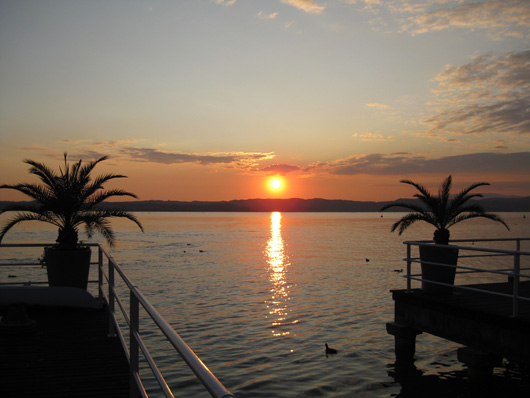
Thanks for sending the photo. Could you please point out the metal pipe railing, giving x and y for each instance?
(514, 272)
(132, 319)
(207, 378)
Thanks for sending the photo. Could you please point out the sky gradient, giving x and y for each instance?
(210, 99)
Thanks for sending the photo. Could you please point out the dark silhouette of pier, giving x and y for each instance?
(65, 352)
(483, 323)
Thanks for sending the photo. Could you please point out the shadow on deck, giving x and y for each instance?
(65, 354)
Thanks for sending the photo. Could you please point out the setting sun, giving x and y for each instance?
(276, 185)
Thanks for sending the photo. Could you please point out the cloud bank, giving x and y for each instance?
(503, 16)
(405, 164)
(241, 160)
(488, 95)
(281, 169)
(500, 18)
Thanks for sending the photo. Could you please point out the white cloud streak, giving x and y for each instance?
(263, 15)
(377, 105)
(372, 137)
(226, 3)
(306, 5)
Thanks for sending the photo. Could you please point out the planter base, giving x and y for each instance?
(68, 267)
(438, 273)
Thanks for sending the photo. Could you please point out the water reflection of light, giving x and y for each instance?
(277, 261)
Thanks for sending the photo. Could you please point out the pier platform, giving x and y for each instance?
(483, 323)
(61, 352)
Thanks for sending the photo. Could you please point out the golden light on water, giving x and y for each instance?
(278, 263)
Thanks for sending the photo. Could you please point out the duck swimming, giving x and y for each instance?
(330, 350)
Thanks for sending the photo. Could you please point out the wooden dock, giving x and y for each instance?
(65, 353)
(481, 322)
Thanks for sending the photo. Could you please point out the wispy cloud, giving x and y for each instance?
(377, 105)
(225, 2)
(372, 137)
(500, 18)
(409, 163)
(501, 15)
(305, 5)
(263, 15)
(487, 95)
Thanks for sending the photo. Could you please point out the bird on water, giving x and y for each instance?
(330, 350)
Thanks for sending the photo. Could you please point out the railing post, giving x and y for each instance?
(112, 330)
(133, 344)
(100, 273)
(408, 268)
(516, 270)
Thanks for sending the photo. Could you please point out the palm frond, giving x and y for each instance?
(98, 221)
(406, 221)
(464, 196)
(35, 192)
(100, 197)
(45, 174)
(406, 205)
(28, 215)
(476, 214)
(66, 199)
(87, 169)
(96, 185)
(104, 229)
(421, 188)
(441, 211)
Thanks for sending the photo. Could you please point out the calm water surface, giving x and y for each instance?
(257, 295)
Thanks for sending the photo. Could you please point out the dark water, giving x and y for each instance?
(257, 295)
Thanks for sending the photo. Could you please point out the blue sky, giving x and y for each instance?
(208, 99)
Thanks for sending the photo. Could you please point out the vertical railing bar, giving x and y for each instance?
(134, 368)
(112, 331)
(100, 273)
(409, 282)
(516, 270)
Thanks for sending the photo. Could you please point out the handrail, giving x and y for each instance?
(514, 274)
(132, 320)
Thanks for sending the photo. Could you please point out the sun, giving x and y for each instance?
(276, 184)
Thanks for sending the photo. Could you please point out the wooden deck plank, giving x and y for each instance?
(66, 354)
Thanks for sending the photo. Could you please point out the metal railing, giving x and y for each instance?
(108, 292)
(511, 268)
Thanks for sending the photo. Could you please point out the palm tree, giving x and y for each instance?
(68, 199)
(441, 210)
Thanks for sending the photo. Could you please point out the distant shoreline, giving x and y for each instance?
(496, 204)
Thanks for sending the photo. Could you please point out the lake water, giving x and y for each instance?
(257, 295)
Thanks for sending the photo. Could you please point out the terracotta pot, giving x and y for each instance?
(68, 267)
(438, 273)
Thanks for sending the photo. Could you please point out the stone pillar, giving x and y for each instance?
(479, 364)
(405, 342)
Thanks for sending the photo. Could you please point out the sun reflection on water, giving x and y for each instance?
(278, 263)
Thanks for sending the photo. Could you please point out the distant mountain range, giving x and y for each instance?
(491, 203)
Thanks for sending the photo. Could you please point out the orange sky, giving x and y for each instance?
(206, 100)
